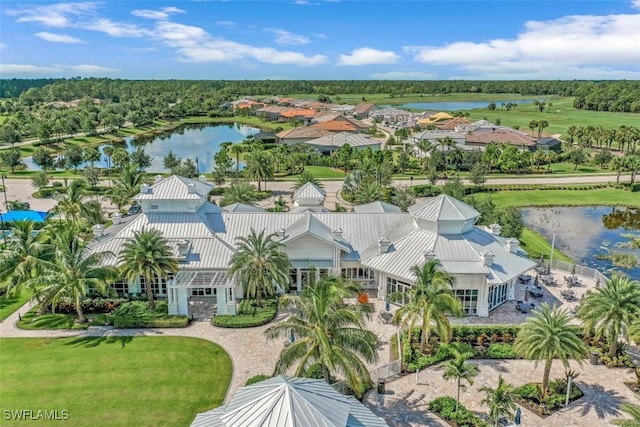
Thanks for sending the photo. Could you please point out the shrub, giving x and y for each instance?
(501, 351)
(256, 379)
(248, 315)
(426, 190)
(445, 407)
(421, 361)
(136, 314)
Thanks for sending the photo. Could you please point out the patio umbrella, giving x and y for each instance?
(597, 283)
(526, 295)
(518, 419)
(387, 306)
(573, 270)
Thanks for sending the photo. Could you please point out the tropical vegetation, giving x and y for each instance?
(457, 369)
(328, 331)
(499, 400)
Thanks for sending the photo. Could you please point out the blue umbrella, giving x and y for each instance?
(387, 306)
(518, 420)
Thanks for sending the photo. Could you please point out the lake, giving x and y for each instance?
(194, 141)
(589, 235)
(459, 105)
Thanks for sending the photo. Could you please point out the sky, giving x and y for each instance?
(321, 39)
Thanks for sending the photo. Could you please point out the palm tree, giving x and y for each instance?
(369, 191)
(550, 335)
(237, 149)
(532, 125)
(127, 184)
(634, 331)
(328, 331)
(74, 206)
(499, 400)
(304, 178)
(610, 309)
(239, 192)
(73, 271)
(22, 257)
(428, 301)
(148, 256)
(258, 167)
(458, 369)
(631, 410)
(260, 263)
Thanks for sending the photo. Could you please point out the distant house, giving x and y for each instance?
(305, 115)
(363, 109)
(481, 139)
(271, 112)
(390, 115)
(265, 137)
(330, 143)
(549, 144)
(301, 134)
(433, 119)
(451, 124)
(433, 136)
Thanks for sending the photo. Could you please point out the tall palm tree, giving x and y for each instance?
(369, 191)
(73, 271)
(74, 207)
(428, 301)
(237, 149)
(147, 255)
(458, 369)
(610, 309)
(127, 184)
(499, 400)
(260, 263)
(327, 331)
(239, 192)
(22, 258)
(304, 178)
(550, 335)
(258, 167)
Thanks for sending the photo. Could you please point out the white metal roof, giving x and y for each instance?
(242, 207)
(308, 191)
(443, 208)
(312, 225)
(339, 139)
(176, 188)
(289, 402)
(376, 207)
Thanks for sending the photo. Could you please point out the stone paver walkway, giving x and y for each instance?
(405, 403)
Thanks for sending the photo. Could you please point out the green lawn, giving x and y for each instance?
(562, 116)
(536, 244)
(384, 98)
(320, 172)
(597, 197)
(114, 381)
(10, 304)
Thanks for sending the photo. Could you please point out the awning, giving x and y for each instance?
(202, 279)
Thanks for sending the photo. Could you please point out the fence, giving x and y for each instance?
(377, 374)
(580, 270)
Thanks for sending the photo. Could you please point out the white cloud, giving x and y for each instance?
(368, 56)
(27, 69)
(227, 24)
(635, 4)
(403, 75)
(195, 45)
(92, 69)
(286, 37)
(58, 38)
(59, 15)
(580, 43)
(320, 36)
(304, 3)
(162, 14)
(118, 29)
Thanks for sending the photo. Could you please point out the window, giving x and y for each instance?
(469, 300)
(357, 273)
(497, 295)
(158, 287)
(397, 287)
(153, 207)
(203, 292)
(121, 287)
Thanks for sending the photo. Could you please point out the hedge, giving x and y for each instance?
(136, 314)
(249, 316)
(256, 379)
(501, 351)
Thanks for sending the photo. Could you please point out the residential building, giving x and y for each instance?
(376, 247)
(390, 115)
(363, 109)
(330, 143)
(301, 134)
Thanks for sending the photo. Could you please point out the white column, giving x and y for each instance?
(511, 291)
(222, 300)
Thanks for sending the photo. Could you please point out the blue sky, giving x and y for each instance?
(320, 39)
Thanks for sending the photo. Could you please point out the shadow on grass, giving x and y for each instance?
(603, 402)
(91, 342)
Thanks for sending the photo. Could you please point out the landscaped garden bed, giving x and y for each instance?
(249, 315)
(445, 408)
(529, 396)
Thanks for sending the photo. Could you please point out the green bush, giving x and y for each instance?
(426, 190)
(256, 379)
(248, 316)
(501, 351)
(470, 334)
(136, 314)
(445, 407)
(420, 361)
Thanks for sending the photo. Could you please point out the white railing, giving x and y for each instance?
(580, 270)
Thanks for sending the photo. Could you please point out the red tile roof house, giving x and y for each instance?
(301, 134)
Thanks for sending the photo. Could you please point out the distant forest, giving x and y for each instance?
(611, 95)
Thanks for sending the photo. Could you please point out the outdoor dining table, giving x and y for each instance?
(568, 295)
(524, 307)
(535, 291)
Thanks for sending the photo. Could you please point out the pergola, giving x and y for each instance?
(177, 289)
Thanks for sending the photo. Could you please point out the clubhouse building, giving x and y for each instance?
(375, 246)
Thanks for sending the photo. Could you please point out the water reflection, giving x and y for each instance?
(590, 235)
(194, 141)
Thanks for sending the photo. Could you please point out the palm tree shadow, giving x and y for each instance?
(90, 342)
(596, 398)
(401, 409)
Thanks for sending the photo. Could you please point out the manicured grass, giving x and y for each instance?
(320, 172)
(384, 98)
(567, 168)
(114, 381)
(10, 304)
(597, 197)
(562, 116)
(255, 317)
(536, 245)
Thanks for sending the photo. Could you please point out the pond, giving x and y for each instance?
(599, 237)
(194, 141)
(459, 105)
